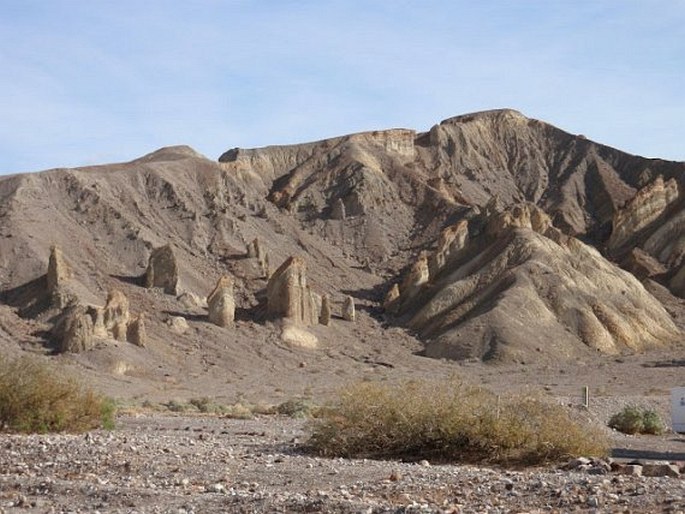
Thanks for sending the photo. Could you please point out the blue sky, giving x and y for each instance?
(96, 81)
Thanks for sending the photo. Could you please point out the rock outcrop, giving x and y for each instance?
(325, 317)
(59, 272)
(349, 313)
(255, 250)
(646, 207)
(452, 240)
(524, 290)
(58, 276)
(392, 298)
(221, 303)
(136, 333)
(289, 296)
(73, 331)
(116, 315)
(80, 326)
(418, 275)
(162, 270)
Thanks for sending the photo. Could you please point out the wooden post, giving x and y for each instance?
(586, 397)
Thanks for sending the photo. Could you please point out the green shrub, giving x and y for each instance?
(449, 421)
(34, 399)
(653, 424)
(636, 420)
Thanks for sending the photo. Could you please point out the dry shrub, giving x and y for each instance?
(34, 399)
(297, 408)
(450, 421)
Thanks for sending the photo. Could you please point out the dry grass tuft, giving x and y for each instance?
(450, 421)
(34, 399)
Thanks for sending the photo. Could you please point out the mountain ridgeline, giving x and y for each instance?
(491, 236)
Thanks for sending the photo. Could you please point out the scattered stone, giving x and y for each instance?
(178, 324)
(162, 270)
(660, 470)
(576, 463)
(629, 469)
(395, 476)
(298, 337)
(191, 300)
(221, 303)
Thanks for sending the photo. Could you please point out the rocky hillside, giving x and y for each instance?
(491, 236)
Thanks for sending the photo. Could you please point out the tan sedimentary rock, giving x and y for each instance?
(452, 239)
(391, 301)
(221, 303)
(116, 315)
(136, 333)
(191, 300)
(255, 250)
(644, 208)
(74, 330)
(295, 335)
(162, 270)
(59, 274)
(80, 326)
(288, 295)
(178, 324)
(642, 265)
(526, 215)
(59, 271)
(325, 317)
(524, 290)
(418, 275)
(349, 312)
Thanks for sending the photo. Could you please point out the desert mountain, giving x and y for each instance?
(496, 236)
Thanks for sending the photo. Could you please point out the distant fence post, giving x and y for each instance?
(586, 397)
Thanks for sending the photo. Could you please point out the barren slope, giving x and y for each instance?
(360, 209)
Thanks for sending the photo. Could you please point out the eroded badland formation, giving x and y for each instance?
(276, 271)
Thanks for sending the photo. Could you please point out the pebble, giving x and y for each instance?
(128, 470)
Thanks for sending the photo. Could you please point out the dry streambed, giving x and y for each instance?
(161, 463)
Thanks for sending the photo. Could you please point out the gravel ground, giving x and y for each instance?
(183, 464)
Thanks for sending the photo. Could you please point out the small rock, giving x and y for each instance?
(660, 470)
(216, 488)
